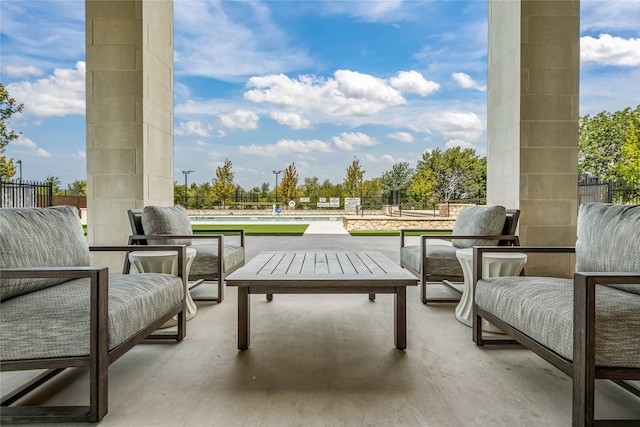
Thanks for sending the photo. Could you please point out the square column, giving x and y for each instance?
(129, 48)
(532, 121)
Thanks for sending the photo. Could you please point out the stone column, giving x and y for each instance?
(129, 49)
(532, 121)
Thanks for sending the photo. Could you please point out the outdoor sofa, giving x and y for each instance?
(58, 312)
(587, 326)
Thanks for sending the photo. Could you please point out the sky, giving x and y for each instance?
(317, 83)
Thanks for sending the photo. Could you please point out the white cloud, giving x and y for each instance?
(200, 143)
(385, 158)
(193, 127)
(247, 41)
(348, 141)
(24, 142)
(221, 133)
(22, 71)
(609, 50)
(413, 82)
(610, 15)
(347, 93)
(401, 136)
(30, 147)
(452, 125)
(79, 155)
(293, 120)
(453, 143)
(286, 146)
(240, 119)
(41, 152)
(465, 81)
(59, 95)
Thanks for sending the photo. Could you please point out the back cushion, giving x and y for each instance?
(480, 221)
(608, 238)
(40, 237)
(166, 220)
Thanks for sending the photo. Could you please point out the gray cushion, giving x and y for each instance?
(481, 221)
(440, 259)
(542, 308)
(609, 240)
(166, 220)
(205, 265)
(54, 322)
(39, 237)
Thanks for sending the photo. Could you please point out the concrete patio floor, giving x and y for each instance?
(329, 360)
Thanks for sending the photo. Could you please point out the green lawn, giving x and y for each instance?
(257, 229)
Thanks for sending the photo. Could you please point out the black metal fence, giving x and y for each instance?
(591, 189)
(25, 194)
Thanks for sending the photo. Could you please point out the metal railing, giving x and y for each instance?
(25, 194)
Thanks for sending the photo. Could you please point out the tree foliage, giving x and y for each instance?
(398, 179)
(455, 174)
(8, 107)
(223, 185)
(77, 188)
(608, 145)
(354, 179)
(289, 182)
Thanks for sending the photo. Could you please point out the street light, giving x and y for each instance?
(19, 162)
(186, 194)
(277, 173)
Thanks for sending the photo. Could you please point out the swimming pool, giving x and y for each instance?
(263, 219)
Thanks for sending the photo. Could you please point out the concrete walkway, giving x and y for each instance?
(325, 227)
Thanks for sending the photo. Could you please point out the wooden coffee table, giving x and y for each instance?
(322, 272)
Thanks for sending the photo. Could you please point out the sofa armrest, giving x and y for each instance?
(479, 250)
(99, 309)
(404, 231)
(211, 234)
(180, 249)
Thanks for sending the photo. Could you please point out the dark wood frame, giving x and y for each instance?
(582, 369)
(507, 238)
(100, 357)
(139, 238)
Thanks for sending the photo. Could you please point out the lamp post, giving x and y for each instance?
(277, 173)
(19, 162)
(186, 193)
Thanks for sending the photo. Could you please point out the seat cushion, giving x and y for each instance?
(40, 237)
(481, 221)
(54, 322)
(205, 265)
(542, 308)
(608, 239)
(166, 220)
(440, 259)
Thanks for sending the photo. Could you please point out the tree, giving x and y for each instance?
(608, 140)
(423, 183)
(289, 182)
(77, 188)
(398, 179)
(629, 166)
(354, 179)
(264, 188)
(55, 185)
(223, 185)
(8, 107)
(457, 173)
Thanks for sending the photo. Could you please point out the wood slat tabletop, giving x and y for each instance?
(314, 268)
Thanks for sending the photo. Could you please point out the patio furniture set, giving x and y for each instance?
(57, 311)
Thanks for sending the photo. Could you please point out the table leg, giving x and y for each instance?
(400, 322)
(243, 317)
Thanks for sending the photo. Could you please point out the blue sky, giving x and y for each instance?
(319, 83)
